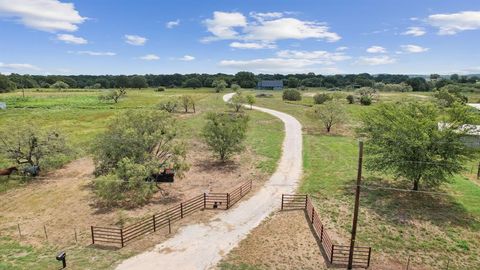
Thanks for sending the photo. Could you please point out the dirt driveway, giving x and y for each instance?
(201, 246)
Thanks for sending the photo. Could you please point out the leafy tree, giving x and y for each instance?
(122, 81)
(142, 136)
(138, 82)
(6, 85)
(235, 87)
(246, 79)
(193, 83)
(331, 113)
(404, 139)
(114, 95)
(450, 94)
(291, 95)
(60, 85)
(33, 145)
(250, 99)
(455, 77)
(293, 82)
(418, 84)
(350, 99)
(219, 85)
(186, 102)
(225, 133)
(365, 100)
(321, 98)
(237, 102)
(434, 77)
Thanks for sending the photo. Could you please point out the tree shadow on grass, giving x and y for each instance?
(397, 205)
(217, 165)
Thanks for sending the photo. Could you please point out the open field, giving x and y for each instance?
(431, 227)
(62, 200)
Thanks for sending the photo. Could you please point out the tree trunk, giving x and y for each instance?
(328, 129)
(415, 184)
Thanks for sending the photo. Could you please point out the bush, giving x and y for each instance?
(125, 187)
(302, 88)
(264, 95)
(237, 102)
(159, 89)
(350, 99)
(321, 98)
(292, 95)
(219, 85)
(168, 106)
(365, 100)
(235, 87)
(113, 95)
(225, 133)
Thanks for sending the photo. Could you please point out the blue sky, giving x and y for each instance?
(262, 36)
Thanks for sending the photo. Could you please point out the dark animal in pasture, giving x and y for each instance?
(164, 177)
(32, 170)
(8, 171)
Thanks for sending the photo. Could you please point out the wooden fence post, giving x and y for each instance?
(228, 200)
(321, 234)
(121, 236)
(181, 210)
(169, 227)
(154, 224)
(313, 211)
(45, 230)
(204, 201)
(282, 201)
(306, 199)
(93, 236)
(331, 254)
(369, 255)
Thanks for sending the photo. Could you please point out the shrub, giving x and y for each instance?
(365, 100)
(60, 85)
(350, 99)
(113, 95)
(186, 102)
(225, 133)
(235, 87)
(292, 95)
(219, 85)
(330, 114)
(321, 98)
(237, 102)
(159, 89)
(250, 100)
(168, 106)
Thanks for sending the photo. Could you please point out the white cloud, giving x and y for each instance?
(71, 39)
(341, 49)
(252, 45)
(415, 31)
(319, 57)
(376, 60)
(376, 49)
(94, 53)
(413, 48)
(187, 58)
(172, 24)
(289, 28)
(223, 25)
(16, 66)
(266, 28)
(135, 40)
(45, 15)
(150, 57)
(451, 24)
(267, 15)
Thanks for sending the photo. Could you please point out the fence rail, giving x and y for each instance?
(121, 236)
(336, 254)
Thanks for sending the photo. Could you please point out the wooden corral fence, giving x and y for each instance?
(121, 236)
(336, 254)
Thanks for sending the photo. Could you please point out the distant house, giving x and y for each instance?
(3, 106)
(471, 134)
(270, 85)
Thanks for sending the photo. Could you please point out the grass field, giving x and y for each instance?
(81, 116)
(435, 227)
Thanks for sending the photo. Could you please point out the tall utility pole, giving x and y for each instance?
(357, 204)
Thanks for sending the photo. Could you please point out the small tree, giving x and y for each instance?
(331, 113)
(225, 133)
(59, 85)
(30, 144)
(250, 99)
(168, 106)
(142, 136)
(114, 95)
(219, 85)
(193, 83)
(350, 99)
(365, 100)
(237, 102)
(186, 102)
(405, 140)
(235, 87)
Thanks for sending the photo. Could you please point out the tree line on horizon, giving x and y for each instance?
(243, 79)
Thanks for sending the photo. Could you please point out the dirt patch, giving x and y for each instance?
(62, 202)
(283, 241)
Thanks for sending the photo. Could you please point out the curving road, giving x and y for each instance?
(201, 246)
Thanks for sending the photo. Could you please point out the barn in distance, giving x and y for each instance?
(270, 85)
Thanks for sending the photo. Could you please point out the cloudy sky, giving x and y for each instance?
(268, 36)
